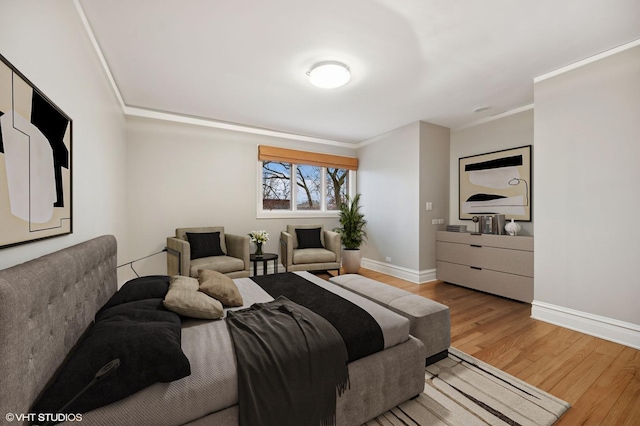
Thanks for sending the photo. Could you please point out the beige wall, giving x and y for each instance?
(388, 178)
(586, 196)
(434, 188)
(510, 131)
(183, 175)
(399, 172)
(48, 44)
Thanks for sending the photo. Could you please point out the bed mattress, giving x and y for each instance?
(213, 384)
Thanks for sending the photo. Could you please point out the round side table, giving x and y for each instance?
(264, 258)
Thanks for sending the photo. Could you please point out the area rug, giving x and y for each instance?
(461, 390)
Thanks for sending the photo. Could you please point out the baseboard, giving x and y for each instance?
(625, 333)
(411, 275)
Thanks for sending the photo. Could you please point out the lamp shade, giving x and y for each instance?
(329, 75)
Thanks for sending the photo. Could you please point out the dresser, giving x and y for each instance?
(497, 264)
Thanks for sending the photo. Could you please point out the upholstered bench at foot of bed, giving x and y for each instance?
(429, 320)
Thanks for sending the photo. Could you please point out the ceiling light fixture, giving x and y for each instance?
(329, 75)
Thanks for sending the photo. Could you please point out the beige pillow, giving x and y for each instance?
(187, 283)
(192, 304)
(219, 286)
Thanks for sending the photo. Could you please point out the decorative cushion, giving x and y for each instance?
(309, 238)
(149, 287)
(219, 286)
(185, 283)
(204, 244)
(194, 304)
(146, 339)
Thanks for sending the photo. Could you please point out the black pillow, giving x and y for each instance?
(146, 339)
(148, 287)
(204, 244)
(309, 238)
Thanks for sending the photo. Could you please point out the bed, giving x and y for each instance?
(47, 304)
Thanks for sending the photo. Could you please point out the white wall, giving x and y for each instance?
(388, 179)
(510, 131)
(586, 197)
(182, 175)
(47, 43)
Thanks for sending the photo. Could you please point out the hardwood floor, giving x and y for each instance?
(600, 379)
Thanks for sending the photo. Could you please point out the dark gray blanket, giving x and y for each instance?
(361, 333)
(291, 362)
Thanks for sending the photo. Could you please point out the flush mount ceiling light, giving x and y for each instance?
(329, 75)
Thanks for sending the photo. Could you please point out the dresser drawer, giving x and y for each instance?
(487, 240)
(497, 259)
(512, 286)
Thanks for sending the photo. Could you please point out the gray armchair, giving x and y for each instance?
(307, 253)
(232, 260)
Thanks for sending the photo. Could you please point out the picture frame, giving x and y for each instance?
(497, 182)
(36, 147)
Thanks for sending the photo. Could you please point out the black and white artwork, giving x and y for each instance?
(35, 162)
(496, 183)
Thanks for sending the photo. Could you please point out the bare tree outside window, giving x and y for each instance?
(276, 185)
(309, 183)
(337, 187)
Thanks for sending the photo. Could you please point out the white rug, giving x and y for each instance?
(461, 390)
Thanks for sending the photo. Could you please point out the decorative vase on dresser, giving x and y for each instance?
(512, 228)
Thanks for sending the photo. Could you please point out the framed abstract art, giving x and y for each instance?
(35, 162)
(496, 183)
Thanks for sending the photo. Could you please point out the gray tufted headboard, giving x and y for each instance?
(46, 305)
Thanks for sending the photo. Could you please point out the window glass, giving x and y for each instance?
(337, 187)
(308, 187)
(276, 186)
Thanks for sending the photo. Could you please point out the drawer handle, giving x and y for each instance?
(476, 268)
(475, 245)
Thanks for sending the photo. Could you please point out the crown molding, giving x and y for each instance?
(494, 117)
(196, 121)
(588, 61)
(96, 47)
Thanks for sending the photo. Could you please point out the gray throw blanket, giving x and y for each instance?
(291, 362)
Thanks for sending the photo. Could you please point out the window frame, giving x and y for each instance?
(293, 212)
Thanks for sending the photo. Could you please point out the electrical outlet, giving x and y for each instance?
(388, 259)
(434, 221)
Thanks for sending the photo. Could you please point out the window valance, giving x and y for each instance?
(272, 153)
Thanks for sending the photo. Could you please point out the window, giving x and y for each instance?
(337, 187)
(296, 185)
(308, 186)
(276, 186)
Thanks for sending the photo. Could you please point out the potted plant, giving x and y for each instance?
(352, 233)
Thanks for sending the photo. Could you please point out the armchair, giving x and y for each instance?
(310, 248)
(229, 256)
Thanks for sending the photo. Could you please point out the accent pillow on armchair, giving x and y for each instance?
(309, 238)
(205, 244)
